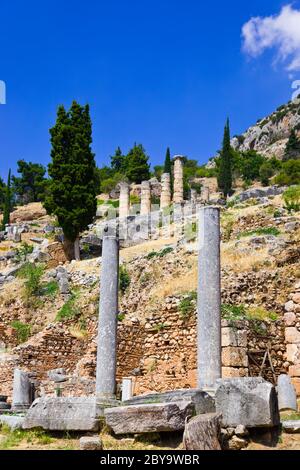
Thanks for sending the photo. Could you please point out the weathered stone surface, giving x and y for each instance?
(289, 318)
(63, 414)
(294, 371)
(202, 401)
(250, 401)
(289, 306)
(13, 422)
(22, 390)
(139, 419)
(293, 353)
(203, 432)
(287, 399)
(90, 443)
(237, 443)
(230, 372)
(234, 337)
(291, 427)
(234, 357)
(292, 335)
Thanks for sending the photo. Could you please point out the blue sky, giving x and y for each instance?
(157, 72)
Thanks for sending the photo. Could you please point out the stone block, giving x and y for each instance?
(229, 372)
(290, 318)
(13, 422)
(296, 383)
(234, 337)
(287, 399)
(63, 414)
(296, 298)
(234, 357)
(148, 418)
(203, 433)
(292, 335)
(90, 443)
(293, 353)
(289, 306)
(202, 401)
(250, 401)
(294, 371)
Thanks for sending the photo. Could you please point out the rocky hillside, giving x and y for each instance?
(270, 134)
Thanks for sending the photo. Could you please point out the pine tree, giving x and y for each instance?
(168, 168)
(225, 168)
(117, 160)
(7, 202)
(292, 149)
(136, 165)
(72, 188)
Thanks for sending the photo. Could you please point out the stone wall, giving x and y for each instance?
(292, 335)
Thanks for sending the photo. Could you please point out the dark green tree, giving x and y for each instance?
(225, 169)
(292, 149)
(7, 202)
(31, 185)
(2, 194)
(168, 168)
(71, 195)
(266, 172)
(136, 165)
(117, 160)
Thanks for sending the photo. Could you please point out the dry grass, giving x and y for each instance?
(177, 284)
(144, 248)
(240, 262)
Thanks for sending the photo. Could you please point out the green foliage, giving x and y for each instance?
(107, 185)
(187, 305)
(289, 174)
(254, 316)
(168, 168)
(291, 198)
(292, 150)
(72, 188)
(23, 331)
(124, 279)
(50, 289)
(227, 227)
(134, 199)
(158, 171)
(7, 202)
(121, 317)
(2, 194)
(260, 231)
(160, 253)
(266, 172)
(23, 251)
(32, 274)
(225, 164)
(117, 160)
(31, 185)
(12, 439)
(159, 327)
(203, 172)
(70, 309)
(136, 164)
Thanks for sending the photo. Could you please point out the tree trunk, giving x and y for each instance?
(203, 432)
(69, 249)
(77, 250)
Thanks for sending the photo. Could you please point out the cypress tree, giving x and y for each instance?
(168, 168)
(292, 149)
(136, 165)
(225, 169)
(117, 160)
(7, 202)
(72, 188)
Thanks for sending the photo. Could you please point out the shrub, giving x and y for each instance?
(23, 330)
(187, 305)
(22, 252)
(291, 198)
(124, 279)
(260, 231)
(50, 289)
(69, 310)
(32, 273)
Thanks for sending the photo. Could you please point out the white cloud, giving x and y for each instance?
(279, 32)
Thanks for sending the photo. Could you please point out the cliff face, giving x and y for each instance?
(270, 135)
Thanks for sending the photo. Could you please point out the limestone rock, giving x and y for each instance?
(13, 422)
(250, 401)
(291, 427)
(90, 443)
(287, 399)
(203, 432)
(63, 414)
(139, 419)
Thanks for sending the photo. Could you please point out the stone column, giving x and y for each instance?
(193, 196)
(108, 318)
(145, 198)
(205, 194)
(22, 391)
(209, 364)
(165, 196)
(124, 200)
(178, 180)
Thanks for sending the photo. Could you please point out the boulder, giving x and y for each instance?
(63, 414)
(291, 427)
(203, 432)
(250, 401)
(287, 398)
(148, 418)
(90, 443)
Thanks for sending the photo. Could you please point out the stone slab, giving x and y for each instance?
(291, 427)
(287, 398)
(64, 414)
(13, 422)
(201, 400)
(250, 401)
(147, 418)
(90, 443)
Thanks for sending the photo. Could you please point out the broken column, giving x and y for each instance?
(124, 200)
(209, 299)
(205, 194)
(193, 196)
(287, 398)
(22, 391)
(145, 198)
(108, 317)
(165, 196)
(178, 179)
